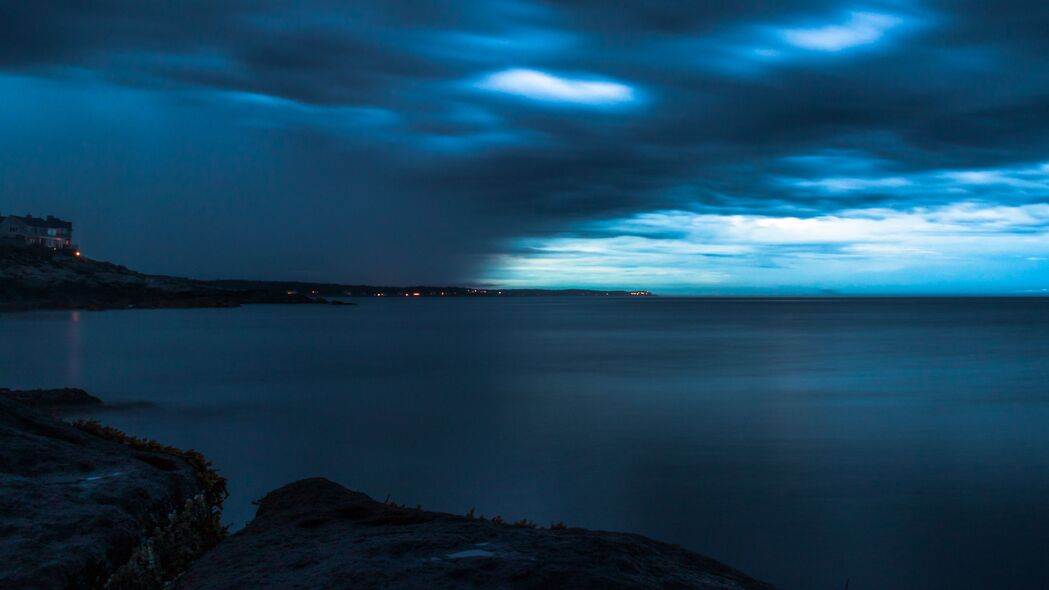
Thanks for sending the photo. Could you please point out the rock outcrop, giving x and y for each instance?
(66, 397)
(317, 534)
(40, 279)
(78, 509)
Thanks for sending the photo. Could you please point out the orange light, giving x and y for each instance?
(78, 253)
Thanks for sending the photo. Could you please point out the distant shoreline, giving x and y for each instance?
(39, 279)
(343, 290)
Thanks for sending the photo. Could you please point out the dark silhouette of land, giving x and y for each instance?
(39, 278)
(341, 290)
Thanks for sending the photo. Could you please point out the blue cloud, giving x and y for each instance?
(1015, 184)
(546, 87)
(872, 250)
(860, 28)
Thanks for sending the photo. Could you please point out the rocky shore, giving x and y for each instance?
(82, 506)
(40, 279)
(85, 506)
(317, 534)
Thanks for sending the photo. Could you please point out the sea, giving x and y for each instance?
(814, 443)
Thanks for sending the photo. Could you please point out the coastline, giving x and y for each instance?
(37, 279)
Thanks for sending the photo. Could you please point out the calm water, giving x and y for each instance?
(899, 444)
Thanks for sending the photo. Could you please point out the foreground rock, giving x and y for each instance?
(80, 511)
(316, 534)
(85, 506)
(41, 279)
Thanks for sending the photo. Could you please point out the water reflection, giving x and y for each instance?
(74, 353)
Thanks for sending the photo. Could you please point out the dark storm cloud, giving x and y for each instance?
(416, 138)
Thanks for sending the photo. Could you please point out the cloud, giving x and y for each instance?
(542, 86)
(861, 28)
(845, 184)
(1002, 177)
(1018, 183)
(855, 251)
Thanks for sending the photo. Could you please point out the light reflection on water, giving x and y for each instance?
(73, 348)
(901, 444)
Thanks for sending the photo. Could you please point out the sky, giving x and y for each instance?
(718, 147)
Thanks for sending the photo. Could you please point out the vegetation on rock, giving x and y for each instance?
(187, 532)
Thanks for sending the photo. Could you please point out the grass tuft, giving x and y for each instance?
(189, 530)
(215, 489)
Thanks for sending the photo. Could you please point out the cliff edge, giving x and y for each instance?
(85, 507)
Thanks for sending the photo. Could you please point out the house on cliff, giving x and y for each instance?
(47, 232)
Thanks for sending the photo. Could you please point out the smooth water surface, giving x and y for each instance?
(892, 443)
